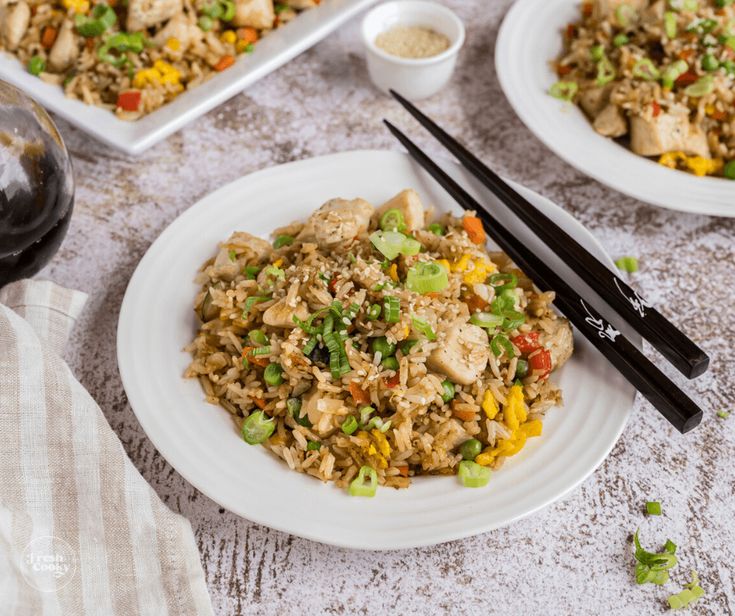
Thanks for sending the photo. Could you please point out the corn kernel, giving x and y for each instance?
(228, 36)
(173, 44)
(278, 262)
(393, 272)
(78, 6)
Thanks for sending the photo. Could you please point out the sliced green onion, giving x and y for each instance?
(365, 413)
(214, 10)
(258, 337)
(670, 547)
(228, 12)
(382, 346)
(273, 375)
(205, 23)
(392, 243)
(620, 39)
(448, 390)
(232, 255)
(673, 72)
(313, 446)
(625, 15)
(521, 368)
(597, 52)
(391, 309)
(646, 69)
(513, 320)
(472, 475)
(392, 220)
(251, 271)
(509, 280)
(251, 301)
(684, 5)
(349, 425)
(729, 170)
(264, 350)
(328, 325)
(710, 63)
(427, 278)
(121, 43)
(283, 240)
(650, 567)
(690, 594)
(627, 264)
(310, 345)
(422, 327)
(275, 272)
(257, 428)
(365, 484)
(653, 508)
(486, 320)
(307, 325)
(722, 414)
(670, 24)
(605, 71)
(564, 90)
(36, 65)
(373, 312)
(102, 18)
(279, 8)
(435, 228)
(500, 343)
(703, 86)
(377, 422)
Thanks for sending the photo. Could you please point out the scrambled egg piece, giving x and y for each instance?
(698, 165)
(379, 447)
(475, 271)
(78, 6)
(160, 73)
(515, 414)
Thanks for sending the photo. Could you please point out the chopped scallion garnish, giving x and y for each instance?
(473, 475)
(653, 508)
(349, 425)
(627, 264)
(392, 220)
(391, 309)
(690, 594)
(422, 327)
(365, 484)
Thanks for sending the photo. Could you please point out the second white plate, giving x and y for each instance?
(200, 441)
(529, 39)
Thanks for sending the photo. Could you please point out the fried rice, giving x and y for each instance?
(659, 76)
(367, 341)
(133, 56)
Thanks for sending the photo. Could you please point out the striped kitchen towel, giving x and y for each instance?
(81, 532)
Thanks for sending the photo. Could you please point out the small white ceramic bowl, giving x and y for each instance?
(414, 78)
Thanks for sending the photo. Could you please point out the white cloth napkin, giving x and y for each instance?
(81, 532)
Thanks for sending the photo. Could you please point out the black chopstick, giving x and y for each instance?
(655, 386)
(671, 342)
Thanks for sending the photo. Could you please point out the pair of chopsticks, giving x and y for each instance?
(673, 344)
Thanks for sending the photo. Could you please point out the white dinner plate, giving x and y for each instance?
(202, 443)
(530, 38)
(271, 52)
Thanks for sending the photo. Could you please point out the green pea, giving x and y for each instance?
(470, 449)
(313, 446)
(521, 368)
(436, 228)
(729, 170)
(382, 346)
(597, 52)
(273, 374)
(448, 390)
(258, 337)
(390, 363)
(36, 65)
(205, 23)
(710, 63)
(257, 428)
(620, 40)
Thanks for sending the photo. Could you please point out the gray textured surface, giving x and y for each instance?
(572, 558)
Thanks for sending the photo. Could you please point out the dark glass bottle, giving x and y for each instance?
(36, 186)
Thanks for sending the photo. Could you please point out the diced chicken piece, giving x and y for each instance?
(181, 29)
(143, 14)
(654, 14)
(65, 50)
(559, 342)
(337, 221)
(605, 9)
(451, 434)
(247, 249)
(594, 100)
(281, 313)
(323, 412)
(255, 13)
(409, 204)
(668, 132)
(301, 4)
(14, 20)
(463, 355)
(611, 122)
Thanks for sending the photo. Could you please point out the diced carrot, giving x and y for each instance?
(475, 303)
(587, 9)
(248, 34)
(224, 63)
(403, 470)
(259, 402)
(432, 294)
(464, 415)
(473, 226)
(48, 37)
(687, 78)
(685, 54)
(359, 394)
(332, 286)
(571, 31)
(718, 115)
(258, 360)
(656, 109)
(129, 101)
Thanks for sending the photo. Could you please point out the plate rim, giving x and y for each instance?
(390, 544)
(667, 188)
